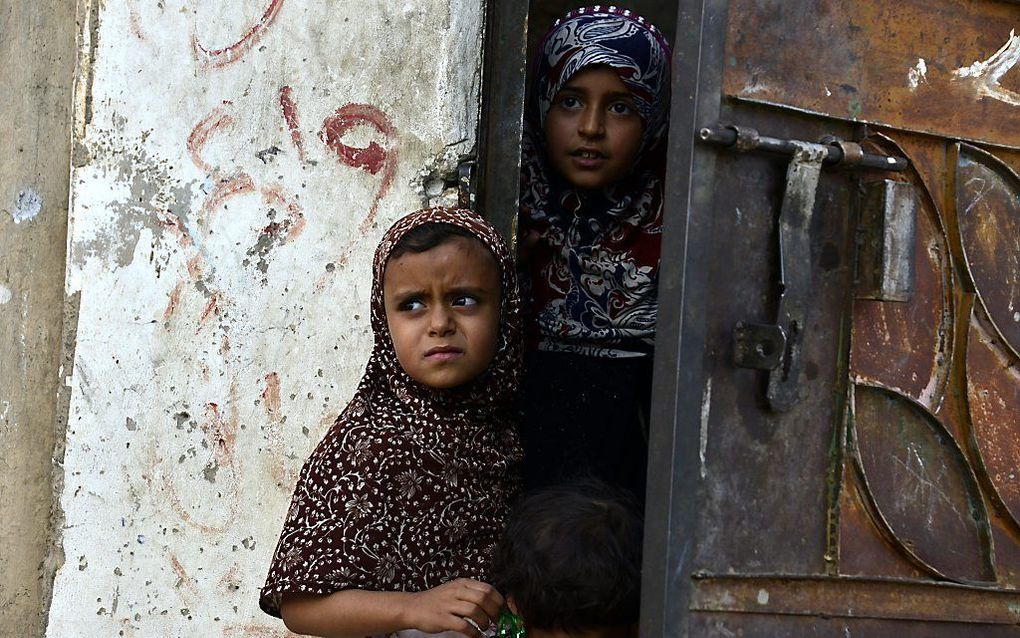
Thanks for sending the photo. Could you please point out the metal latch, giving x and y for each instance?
(777, 347)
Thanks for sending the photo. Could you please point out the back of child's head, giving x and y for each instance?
(570, 558)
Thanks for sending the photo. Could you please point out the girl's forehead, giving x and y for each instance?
(456, 258)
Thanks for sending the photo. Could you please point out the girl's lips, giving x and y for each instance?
(589, 162)
(443, 353)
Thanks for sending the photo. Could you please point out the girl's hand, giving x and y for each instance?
(447, 607)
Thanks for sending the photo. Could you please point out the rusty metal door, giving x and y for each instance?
(836, 434)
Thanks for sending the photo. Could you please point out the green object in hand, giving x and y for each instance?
(510, 625)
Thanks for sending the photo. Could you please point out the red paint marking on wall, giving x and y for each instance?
(373, 159)
(218, 58)
(211, 307)
(274, 193)
(289, 108)
(271, 396)
(221, 435)
(135, 21)
(226, 189)
(171, 306)
(201, 133)
(186, 581)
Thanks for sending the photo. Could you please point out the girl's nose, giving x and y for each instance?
(440, 321)
(592, 122)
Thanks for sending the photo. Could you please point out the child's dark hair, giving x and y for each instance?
(571, 558)
(428, 236)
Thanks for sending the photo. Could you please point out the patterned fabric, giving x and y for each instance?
(593, 273)
(410, 486)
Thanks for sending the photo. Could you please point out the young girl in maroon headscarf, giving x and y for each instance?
(590, 228)
(397, 511)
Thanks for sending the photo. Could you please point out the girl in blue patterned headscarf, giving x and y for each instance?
(589, 230)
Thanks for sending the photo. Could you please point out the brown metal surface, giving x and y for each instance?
(899, 467)
(923, 494)
(904, 346)
(988, 214)
(941, 68)
(855, 598)
(993, 392)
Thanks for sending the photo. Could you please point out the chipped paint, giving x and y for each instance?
(983, 76)
(706, 406)
(5, 294)
(917, 75)
(27, 205)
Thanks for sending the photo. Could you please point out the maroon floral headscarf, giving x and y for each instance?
(410, 487)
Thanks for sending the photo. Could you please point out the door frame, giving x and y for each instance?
(675, 487)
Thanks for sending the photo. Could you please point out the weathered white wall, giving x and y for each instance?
(227, 158)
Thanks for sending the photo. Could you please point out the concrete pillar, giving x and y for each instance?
(37, 46)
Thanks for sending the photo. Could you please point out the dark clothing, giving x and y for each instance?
(585, 416)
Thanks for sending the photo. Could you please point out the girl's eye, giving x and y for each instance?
(569, 102)
(621, 108)
(411, 304)
(465, 300)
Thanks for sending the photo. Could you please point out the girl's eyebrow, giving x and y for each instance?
(615, 95)
(469, 290)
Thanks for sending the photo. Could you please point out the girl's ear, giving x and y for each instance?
(512, 605)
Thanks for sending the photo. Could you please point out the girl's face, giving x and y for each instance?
(442, 308)
(593, 130)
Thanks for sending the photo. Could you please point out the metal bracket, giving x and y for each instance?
(759, 346)
(795, 267)
(886, 246)
(777, 347)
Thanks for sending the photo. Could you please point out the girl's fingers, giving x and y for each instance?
(485, 596)
(473, 612)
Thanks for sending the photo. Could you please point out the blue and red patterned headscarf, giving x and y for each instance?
(619, 39)
(592, 258)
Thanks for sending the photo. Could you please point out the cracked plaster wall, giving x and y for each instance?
(234, 165)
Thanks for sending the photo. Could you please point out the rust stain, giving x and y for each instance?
(993, 392)
(218, 58)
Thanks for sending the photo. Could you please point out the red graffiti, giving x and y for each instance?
(289, 108)
(221, 438)
(371, 158)
(171, 306)
(200, 135)
(226, 189)
(271, 396)
(217, 58)
(274, 193)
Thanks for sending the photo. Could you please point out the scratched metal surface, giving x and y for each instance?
(941, 68)
(901, 463)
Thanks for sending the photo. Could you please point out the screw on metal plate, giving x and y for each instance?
(759, 346)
